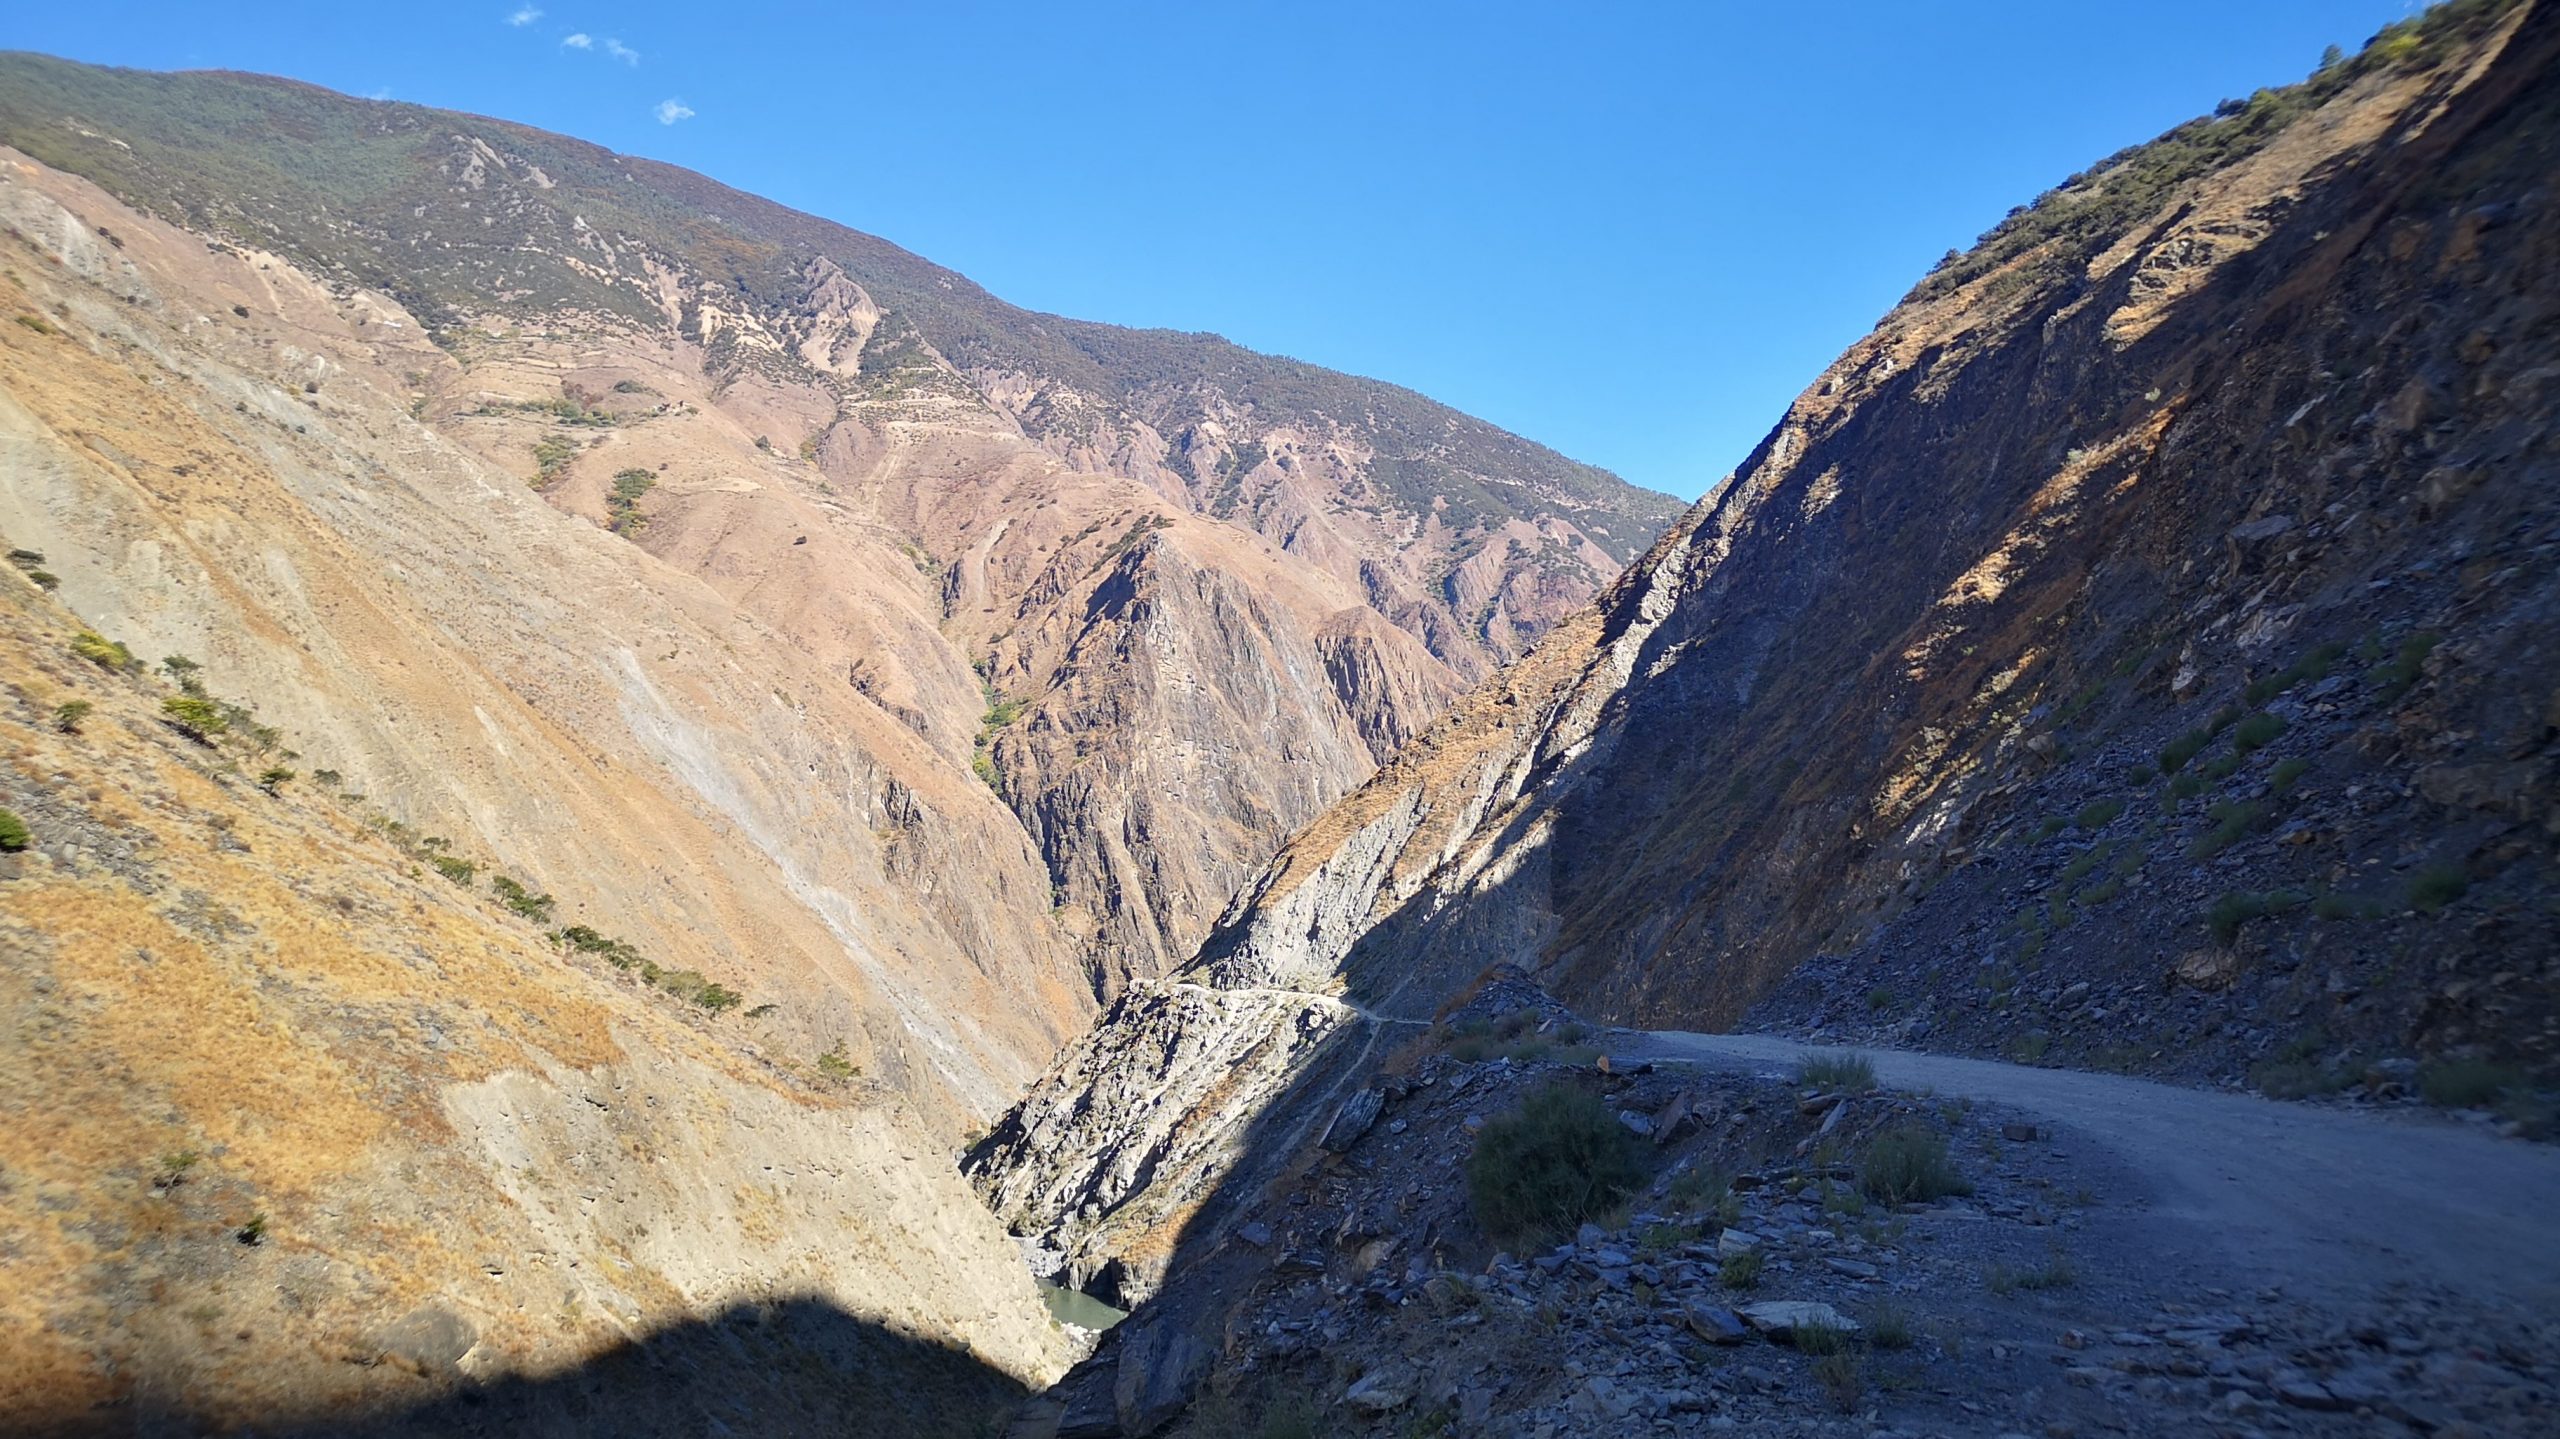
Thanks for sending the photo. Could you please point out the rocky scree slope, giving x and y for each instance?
(1769, 1267)
(297, 1131)
(1168, 596)
(2143, 639)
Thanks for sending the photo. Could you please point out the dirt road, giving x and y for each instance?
(2312, 1198)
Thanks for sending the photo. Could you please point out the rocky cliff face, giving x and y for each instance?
(2136, 652)
(1157, 552)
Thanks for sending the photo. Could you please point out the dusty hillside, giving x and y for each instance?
(487, 671)
(298, 1130)
(2137, 653)
(1167, 596)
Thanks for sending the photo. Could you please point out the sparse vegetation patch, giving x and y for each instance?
(1557, 1160)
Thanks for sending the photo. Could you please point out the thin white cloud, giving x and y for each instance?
(382, 94)
(670, 111)
(525, 15)
(622, 52)
(579, 41)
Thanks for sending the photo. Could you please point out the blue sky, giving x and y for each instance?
(1631, 231)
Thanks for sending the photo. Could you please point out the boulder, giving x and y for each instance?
(1382, 1390)
(430, 1338)
(1353, 1120)
(1715, 1324)
(1781, 1317)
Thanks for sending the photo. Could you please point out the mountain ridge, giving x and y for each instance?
(814, 420)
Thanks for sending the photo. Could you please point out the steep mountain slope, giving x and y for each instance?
(2138, 652)
(478, 666)
(297, 1131)
(1160, 553)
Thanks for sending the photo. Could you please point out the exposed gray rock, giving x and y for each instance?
(430, 1337)
(1159, 1367)
(1353, 1120)
(1382, 1390)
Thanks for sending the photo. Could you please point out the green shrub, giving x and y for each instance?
(2256, 732)
(1819, 1339)
(274, 778)
(1908, 1164)
(718, 999)
(1699, 1187)
(2466, 1083)
(2436, 886)
(2230, 911)
(105, 653)
(2084, 864)
(551, 456)
(1842, 1379)
(1557, 1160)
(1741, 1270)
(522, 901)
(68, 715)
(454, 867)
(2185, 747)
(2395, 677)
(14, 835)
(1889, 1326)
(2097, 814)
(1837, 1073)
(2287, 774)
(2346, 906)
(2055, 1273)
(2310, 667)
(2296, 1073)
(835, 1066)
(2232, 821)
(622, 507)
(196, 717)
(2179, 790)
(682, 983)
(1879, 999)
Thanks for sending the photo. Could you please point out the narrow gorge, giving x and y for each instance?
(630, 811)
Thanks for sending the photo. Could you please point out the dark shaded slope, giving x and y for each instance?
(2143, 661)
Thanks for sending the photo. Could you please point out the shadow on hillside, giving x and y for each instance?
(1664, 853)
(798, 1366)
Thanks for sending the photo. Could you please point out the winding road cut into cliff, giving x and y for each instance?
(2315, 1199)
